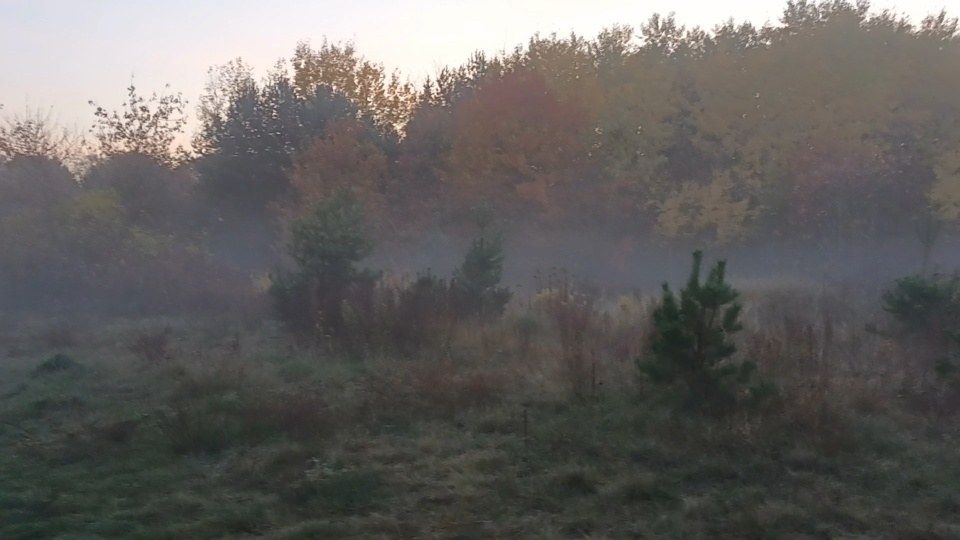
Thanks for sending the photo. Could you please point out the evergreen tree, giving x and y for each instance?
(927, 310)
(692, 339)
(475, 284)
(327, 286)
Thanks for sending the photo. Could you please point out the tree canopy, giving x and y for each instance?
(839, 123)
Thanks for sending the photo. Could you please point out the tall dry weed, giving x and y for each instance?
(813, 343)
(574, 311)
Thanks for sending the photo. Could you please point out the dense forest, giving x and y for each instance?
(327, 301)
(839, 125)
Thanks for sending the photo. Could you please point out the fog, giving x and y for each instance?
(617, 265)
(803, 152)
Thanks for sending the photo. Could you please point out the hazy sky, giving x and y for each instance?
(62, 53)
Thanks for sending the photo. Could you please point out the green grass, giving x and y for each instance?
(282, 444)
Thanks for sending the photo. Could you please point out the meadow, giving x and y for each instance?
(534, 425)
(209, 334)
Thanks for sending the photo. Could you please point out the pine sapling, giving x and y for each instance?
(692, 340)
(476, 284)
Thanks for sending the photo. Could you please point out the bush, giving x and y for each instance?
(475, 285)
(153, 196)
(424, 313)
(927, 311)
(81, 257)
(327, 296)
(326, 290)
(413, 316)
(691, 345)
(57, 363)
(926, 306)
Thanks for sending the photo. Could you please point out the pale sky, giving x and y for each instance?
(61, 53)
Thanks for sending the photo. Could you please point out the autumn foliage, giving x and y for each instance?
(837, 123)
(517, 143)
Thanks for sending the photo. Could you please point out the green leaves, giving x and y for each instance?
(928, 312)
(476, 282)
(924, 304)
(320, 297)
(333, 237)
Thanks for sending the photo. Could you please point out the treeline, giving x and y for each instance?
(838, 124)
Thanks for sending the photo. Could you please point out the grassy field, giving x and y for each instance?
(124, 430)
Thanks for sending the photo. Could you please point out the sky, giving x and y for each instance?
(56, 55)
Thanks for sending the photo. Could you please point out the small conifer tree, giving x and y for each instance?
(927, 310)
(323, 293)
(692, 339)
(475, 284)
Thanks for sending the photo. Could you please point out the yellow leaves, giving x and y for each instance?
(696, 208)
(262, 281)
(633, 128)
(760, 103)
(945, 192)
(515, 142)
(97, 218)
(100, 206)
(565, 64)
(630, 307)
(569, 128)
(149, 243)
(385, 97)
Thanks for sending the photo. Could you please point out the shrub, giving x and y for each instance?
(413, 316)
(690, 346)
(475, 284)
(927, 311)
(152, 196)
(214, 287)
(59, 334)
(57, 363)
(927, 306)
(527, 327)
(81, 256)
(29, 184)
(321, 296)
(408, 317)
(948, 367)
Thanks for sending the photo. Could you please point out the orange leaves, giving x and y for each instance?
(516, 142)
(835, 186)
(346, 155)
(813, 125)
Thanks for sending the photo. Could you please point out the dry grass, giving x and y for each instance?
(153, 347)
(427, 389)
(815, 345)
(525, 427)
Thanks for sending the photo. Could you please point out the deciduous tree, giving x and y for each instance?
(148, 126)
